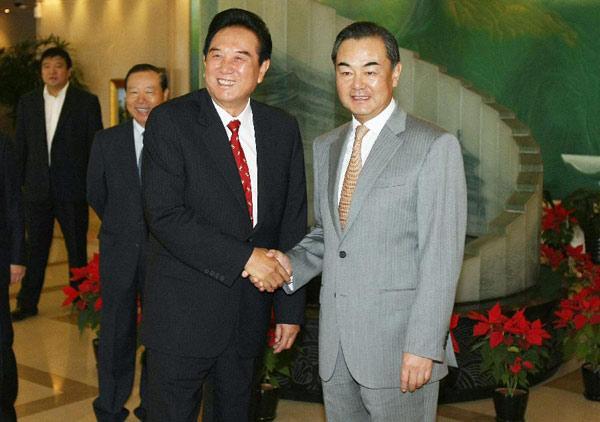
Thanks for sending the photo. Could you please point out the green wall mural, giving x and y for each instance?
(541, 58)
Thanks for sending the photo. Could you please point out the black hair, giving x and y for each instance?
(146, 67)
(57, 52)
(359, 30)
(245, 19)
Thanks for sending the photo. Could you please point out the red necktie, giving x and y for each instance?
(242, 165)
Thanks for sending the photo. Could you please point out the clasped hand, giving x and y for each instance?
(268, 269)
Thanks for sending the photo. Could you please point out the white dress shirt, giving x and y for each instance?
(138, 139)
(248, 144)
(375, 125)
(52, 108)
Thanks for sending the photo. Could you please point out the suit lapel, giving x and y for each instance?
(335, 165)
(384, 148)
(39, 120)
(130, 164)
(264, 157)
(214, 136)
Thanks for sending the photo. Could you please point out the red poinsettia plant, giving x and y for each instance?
(511, 347)
(575, 266)
(579, 317)
(275, 363)
(86, 299)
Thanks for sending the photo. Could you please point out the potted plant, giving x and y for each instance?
(511, 348)
(579, 317)
(85, 299)
(586, 209)
(273, 364)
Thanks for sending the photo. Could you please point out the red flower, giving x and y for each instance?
(453, 325)
(98, 305)
(555, 216)
(515, 368)
(71, 293)
(552, 256)
(536, 334)
(528, 365)
(579, 321)
(517, 324)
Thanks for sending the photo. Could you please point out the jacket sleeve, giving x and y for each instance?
(307, 256)
(13, 206)
(290, 309)
(96, 180)
(442, 218)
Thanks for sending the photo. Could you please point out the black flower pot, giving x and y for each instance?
(510, 408)
(268, 397)
(591, 383)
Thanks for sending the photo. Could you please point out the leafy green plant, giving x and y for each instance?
(20, 69)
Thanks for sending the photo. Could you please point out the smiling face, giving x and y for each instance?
(364, 77)
(232, 69)
(55, 73)
(142, 93)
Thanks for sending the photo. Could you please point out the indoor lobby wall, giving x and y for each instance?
(108, 36)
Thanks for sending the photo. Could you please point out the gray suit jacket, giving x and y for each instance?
(389, 279)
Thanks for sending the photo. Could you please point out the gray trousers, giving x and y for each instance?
(347, 401)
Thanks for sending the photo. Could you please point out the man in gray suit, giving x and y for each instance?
(390, 217)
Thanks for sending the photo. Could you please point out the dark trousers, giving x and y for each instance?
(8, 364)
(175, 386)
(117, 350)
(39, 220)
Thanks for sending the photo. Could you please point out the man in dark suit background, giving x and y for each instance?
(12, 256)
(54, 133)
(223, 179)
(114, 191)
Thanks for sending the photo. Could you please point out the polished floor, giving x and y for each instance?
(57, 373)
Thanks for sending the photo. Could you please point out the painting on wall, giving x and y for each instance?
(118, 111)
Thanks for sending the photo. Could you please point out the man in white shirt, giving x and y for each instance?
(390, 217)
(54, 132)
(114, 191)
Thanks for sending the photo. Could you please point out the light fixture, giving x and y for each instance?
(6, 11)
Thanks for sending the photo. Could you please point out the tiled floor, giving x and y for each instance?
(57, 373)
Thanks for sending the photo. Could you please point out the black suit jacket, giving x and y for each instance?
(79, 120)
(114, 191)
(12, 233)
(201, 235)
(12, 226)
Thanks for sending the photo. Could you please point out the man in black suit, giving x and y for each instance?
(223, 181)
(114, 191)
(54, 133)
(12, 256)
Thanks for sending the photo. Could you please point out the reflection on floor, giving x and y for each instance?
(57, 373)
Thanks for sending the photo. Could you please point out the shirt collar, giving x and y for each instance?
(61, 93)
(225, 117)
(376, 124)
(138, 128)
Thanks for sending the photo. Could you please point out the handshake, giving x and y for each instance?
(268, 269)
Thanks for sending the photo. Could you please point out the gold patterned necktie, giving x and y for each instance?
(351, 176)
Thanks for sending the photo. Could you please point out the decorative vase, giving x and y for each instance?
(267, 399)
(510, 408)
(591, 382)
